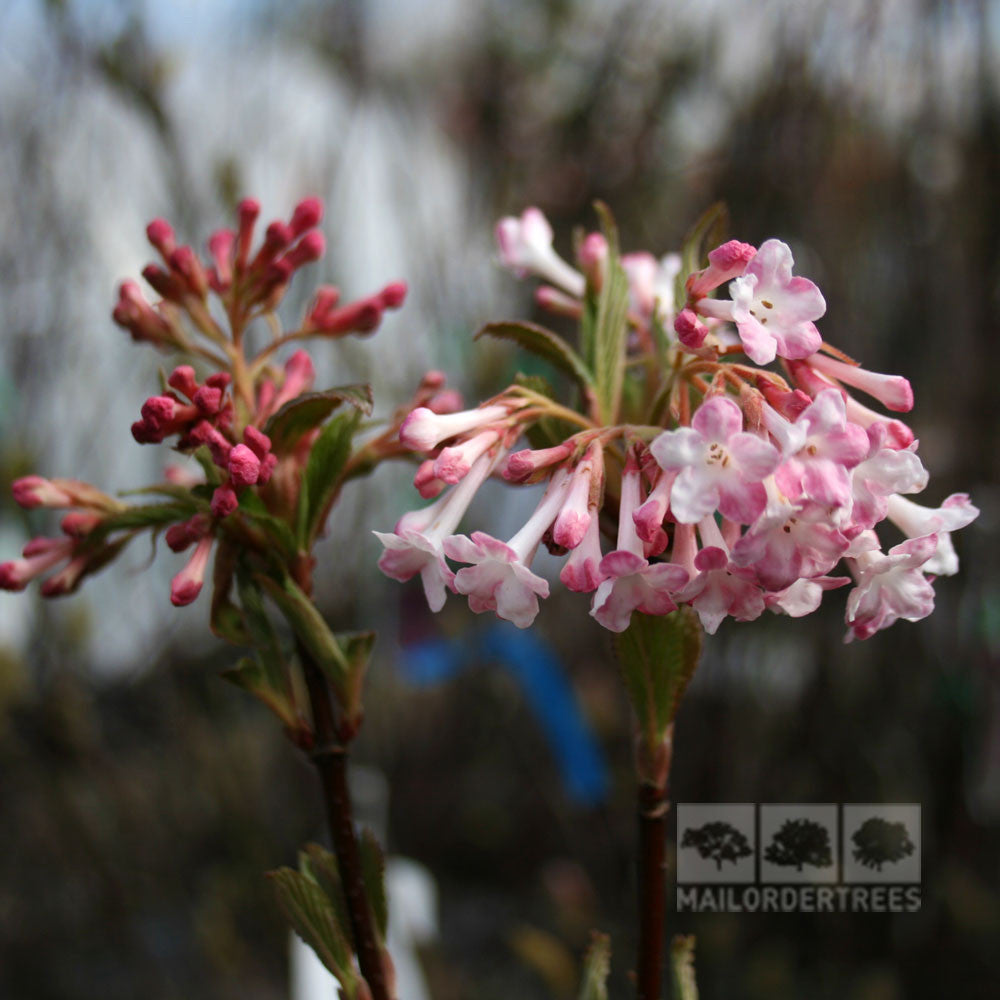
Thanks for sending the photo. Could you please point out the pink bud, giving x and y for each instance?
(267, 467)
(80, 523)
(67, 579)
(308, 213)
(277, 237)
(327, 297)
(183, 379)
(208, 399)
(311, 247)
(244, 466)
(224, 501)
(393, 295)
(135, 314)
(247, 211)
(161, 236)
(724, 263)
(186, 263)
(521, 465)
(220, 246)
(427, 484)
(448, 401)
(788, 403)
(187, 584)
(554, 301)
(892, 391)
(34, 491)
(257, 440)
(164, 284)
(691, 332)
(203, 433)
(593, 259)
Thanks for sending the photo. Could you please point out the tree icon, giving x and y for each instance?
(878, 841)
(718, 842)
(800, 842)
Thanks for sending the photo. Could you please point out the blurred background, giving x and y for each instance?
(141, 798)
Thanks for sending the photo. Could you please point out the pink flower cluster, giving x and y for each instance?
(226, 411)
(749, 502)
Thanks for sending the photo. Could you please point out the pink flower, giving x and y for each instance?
(891, 586)
(500, 578)
(651, 285)
(804, 596)
(818, 470)
(773, 311)
(416, 545)
(720, 589)
(526, 248)
(629, 582)
(721, 467)
(915, 520)
(790, 541)
(883, 472)
(424, 429)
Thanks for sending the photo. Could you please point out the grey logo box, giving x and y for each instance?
(799, 843)
(881, 843)
(716, 842)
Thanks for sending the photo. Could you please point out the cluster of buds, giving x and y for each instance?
(222, 416)
(730, 487)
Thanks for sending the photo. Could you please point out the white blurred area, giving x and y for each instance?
(84, 165)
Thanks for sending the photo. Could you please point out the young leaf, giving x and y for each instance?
(708, 232)
(682, 967)
(308, 411)
(658, 656)
(251, 675)
(277, 530)
(373, 874)
(312, 917)
(596, 965)
(321, 865)
(357, 650)
(146, 516)
(321, 478)
(545, 344)
(309, 626)
(609, 332)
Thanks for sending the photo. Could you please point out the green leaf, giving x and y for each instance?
(308, 411)
(276, 529)
(682, 967)
(547, 431)
(254, 677)
(373, 875)
(545, 344)
(312, 917)
(312, 630)
(213, 474)
(357, 650)
(321, 865)
(148, 516)
(708, 232)
(596, 965)
(321, 478)
(263, 635)
(610, 327)
(658, 655)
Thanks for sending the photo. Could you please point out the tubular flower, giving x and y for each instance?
(718, 484)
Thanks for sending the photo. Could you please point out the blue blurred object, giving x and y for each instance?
(539, 672)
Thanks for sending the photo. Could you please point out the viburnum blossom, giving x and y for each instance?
(719, 483)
